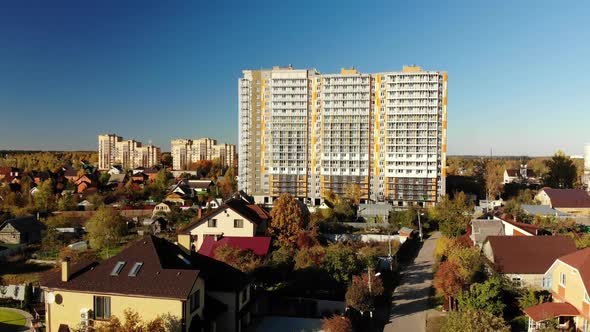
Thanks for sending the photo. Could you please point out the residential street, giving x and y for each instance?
(410, 299)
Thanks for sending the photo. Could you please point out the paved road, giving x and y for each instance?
(410, 299)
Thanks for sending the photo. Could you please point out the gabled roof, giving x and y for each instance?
(117, 178)
(509, 219)
(528, 254)
(580, 260)
(24, 224)
(482, 228)
(257, 244)
(542, 210)
(568, 198)
(512, 172)
(200, 184)
(250, 212)
(163, 274)
(550, 310)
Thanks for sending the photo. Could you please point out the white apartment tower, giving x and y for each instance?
(305, 133)
(113, 150)
(187, 151)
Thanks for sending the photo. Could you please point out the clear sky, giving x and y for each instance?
(519, 72)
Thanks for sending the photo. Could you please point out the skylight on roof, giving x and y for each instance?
(135, 269)
(184, 259)
(117, 269)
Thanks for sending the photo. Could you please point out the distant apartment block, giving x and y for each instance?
(113, 150)
(308, 133)
(187, 151)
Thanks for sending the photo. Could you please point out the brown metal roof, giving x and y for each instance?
(568, 198)
(528, 254)
(550, 310)
(163, 274)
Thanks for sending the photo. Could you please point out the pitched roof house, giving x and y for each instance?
(520, 175)
(524, 259)
(568, 279)
(482, 228)
(21, 230)
(234, 218)
(572, 201)
(153, 276)
(259, 245)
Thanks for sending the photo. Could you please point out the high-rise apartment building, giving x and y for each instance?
(308, 133)
(187, 151)
(113, 150)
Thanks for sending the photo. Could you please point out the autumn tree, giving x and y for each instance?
(228, 185)
(45, 196)
(562, 171)
(241, 259)
(352, 192)
(494, 177)
(474, 320)
(341, 262)
(133, 322)
(106, 226)
(310, 257)
(532, 297)
(287, 220)
(336, 324)
(486, 296)
(359, 296)
(447, 279)
(469, 263)
(67, 203)
(452, 215)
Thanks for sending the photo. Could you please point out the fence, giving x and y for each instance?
(365, 237)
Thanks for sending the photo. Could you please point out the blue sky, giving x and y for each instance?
(519, 72)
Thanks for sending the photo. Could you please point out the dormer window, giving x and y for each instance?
(117, 269)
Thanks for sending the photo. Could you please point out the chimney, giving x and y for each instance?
(65, 269)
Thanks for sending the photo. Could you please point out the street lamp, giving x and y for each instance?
(420, 225)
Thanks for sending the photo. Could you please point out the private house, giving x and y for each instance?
(70, 173)
(213, 203)
(175, 198)
(116, 181)
(522, 175)
(571, 201)
(374, 212)
(153, 225)
(482, 228)
(516, 228)
(116, 170)
(200, 186)
(139, 178)
(183, 189)
(525, 259)
(568, 279)
(543, 211)
(9, 172)
(21, 230)
(154, 277)
(161, 208)
(234, 218)
(84, 182)
(259, 245)
(151, 173)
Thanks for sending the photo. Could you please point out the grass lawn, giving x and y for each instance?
(7, 245)
(11, 318)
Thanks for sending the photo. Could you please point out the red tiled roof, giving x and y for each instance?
(568, 198)
(549, 310)
(508, 218)
(528, 254)
(258, 244)
(581, 261)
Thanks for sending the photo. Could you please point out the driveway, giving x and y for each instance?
(410, 298)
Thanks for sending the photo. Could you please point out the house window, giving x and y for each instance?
(195, 300)
(212, 223)
(587, 297)
(238, 223)
(517, 280)
(102, 307)
(562, 279)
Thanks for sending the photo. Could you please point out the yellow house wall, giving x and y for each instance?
(575, 211)
(225, 225)
(574, 289)
(68, 312)
(543, 198)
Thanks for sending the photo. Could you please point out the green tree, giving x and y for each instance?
(485, 296)
(45, 196)
(452, 215)
(562, 171)
(67, 203)
(359, 296)
(105, 227)
(341, 262)
(309, 257)
(532, 298)
(287, 220)
(494, 176)
(353, 193)
(474, 321)
(166, 160)
(469, 261)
